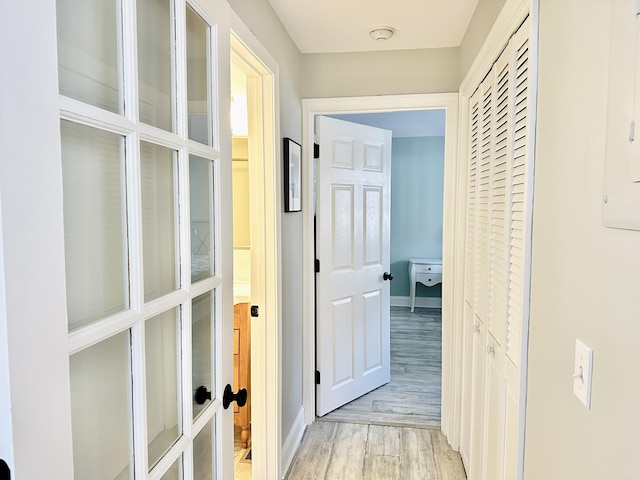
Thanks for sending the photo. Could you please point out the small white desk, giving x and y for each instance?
(426, 271)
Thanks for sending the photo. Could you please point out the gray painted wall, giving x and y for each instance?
(380, 73)
(483, 19)
(417, 174)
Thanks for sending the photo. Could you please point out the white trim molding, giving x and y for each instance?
(383, 103)
(266, 334)
(291, 443)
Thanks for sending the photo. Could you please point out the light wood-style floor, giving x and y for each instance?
(413, 396)
(346, 451)
(392, 432)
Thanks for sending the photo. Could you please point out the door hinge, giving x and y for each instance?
(316, 150)
(255, 311)
(317, 377)
(317, 266)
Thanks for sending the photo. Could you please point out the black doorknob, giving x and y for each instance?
(240, 398)
(5, 474)
(202, 395)
(387, 276)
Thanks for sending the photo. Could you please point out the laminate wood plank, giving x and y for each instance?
(342, 451)
(448, 462)
(383, 440)
(416, 455)
(312, 459)
(347, 456)
(378, 467)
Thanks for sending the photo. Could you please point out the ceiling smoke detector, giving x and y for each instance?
(381, 33)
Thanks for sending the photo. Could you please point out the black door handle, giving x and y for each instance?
(240, 398)
(5, 473)
(387, 276)
(202, 395)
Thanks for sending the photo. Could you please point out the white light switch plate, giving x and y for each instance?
(582, 373)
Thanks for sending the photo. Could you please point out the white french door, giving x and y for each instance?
(145, 188)
(353, 243)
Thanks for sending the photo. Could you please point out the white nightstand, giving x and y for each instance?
(426, 271)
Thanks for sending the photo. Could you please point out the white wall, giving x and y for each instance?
(585, 277)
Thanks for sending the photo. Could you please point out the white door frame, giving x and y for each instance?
(453, 219)
(265, 330)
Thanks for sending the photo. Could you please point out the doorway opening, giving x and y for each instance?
(256, 207)
(412, 397)
(337, 106)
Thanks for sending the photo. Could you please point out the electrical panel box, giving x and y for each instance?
(621, 196)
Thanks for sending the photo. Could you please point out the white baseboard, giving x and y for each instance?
(426, 302)
(291, 443)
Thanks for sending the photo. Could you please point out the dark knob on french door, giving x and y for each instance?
(5, 474)
(240, 398)
(202, 395)
(387, 276)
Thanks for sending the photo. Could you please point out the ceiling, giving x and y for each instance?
(334, 26)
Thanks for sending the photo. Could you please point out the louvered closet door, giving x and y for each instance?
(481, 276)
(497, 252)
(469, 331)
(495, 385)
(520, 200)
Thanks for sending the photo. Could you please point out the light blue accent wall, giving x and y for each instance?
(417, 177)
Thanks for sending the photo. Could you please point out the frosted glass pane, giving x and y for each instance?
(155, 45)
(203, 454)
(94, 229)
(89, 64)
(197, 78)
(174, 471)
(159, 223)
(162, 366)
(201, 185)
(101, 410)
(202, 309)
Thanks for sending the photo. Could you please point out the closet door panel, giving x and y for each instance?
(497, 253)
(518, 231)
(481, 260)
(499, 221)
(472, 199)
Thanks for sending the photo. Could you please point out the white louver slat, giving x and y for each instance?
(484, 187)
(472, 183)
(499, 208)
(518, 199)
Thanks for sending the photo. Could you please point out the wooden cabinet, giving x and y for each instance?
(242, 367)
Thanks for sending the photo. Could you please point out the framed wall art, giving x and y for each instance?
(292, 176)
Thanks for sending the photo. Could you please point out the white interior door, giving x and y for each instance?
(352, 241)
